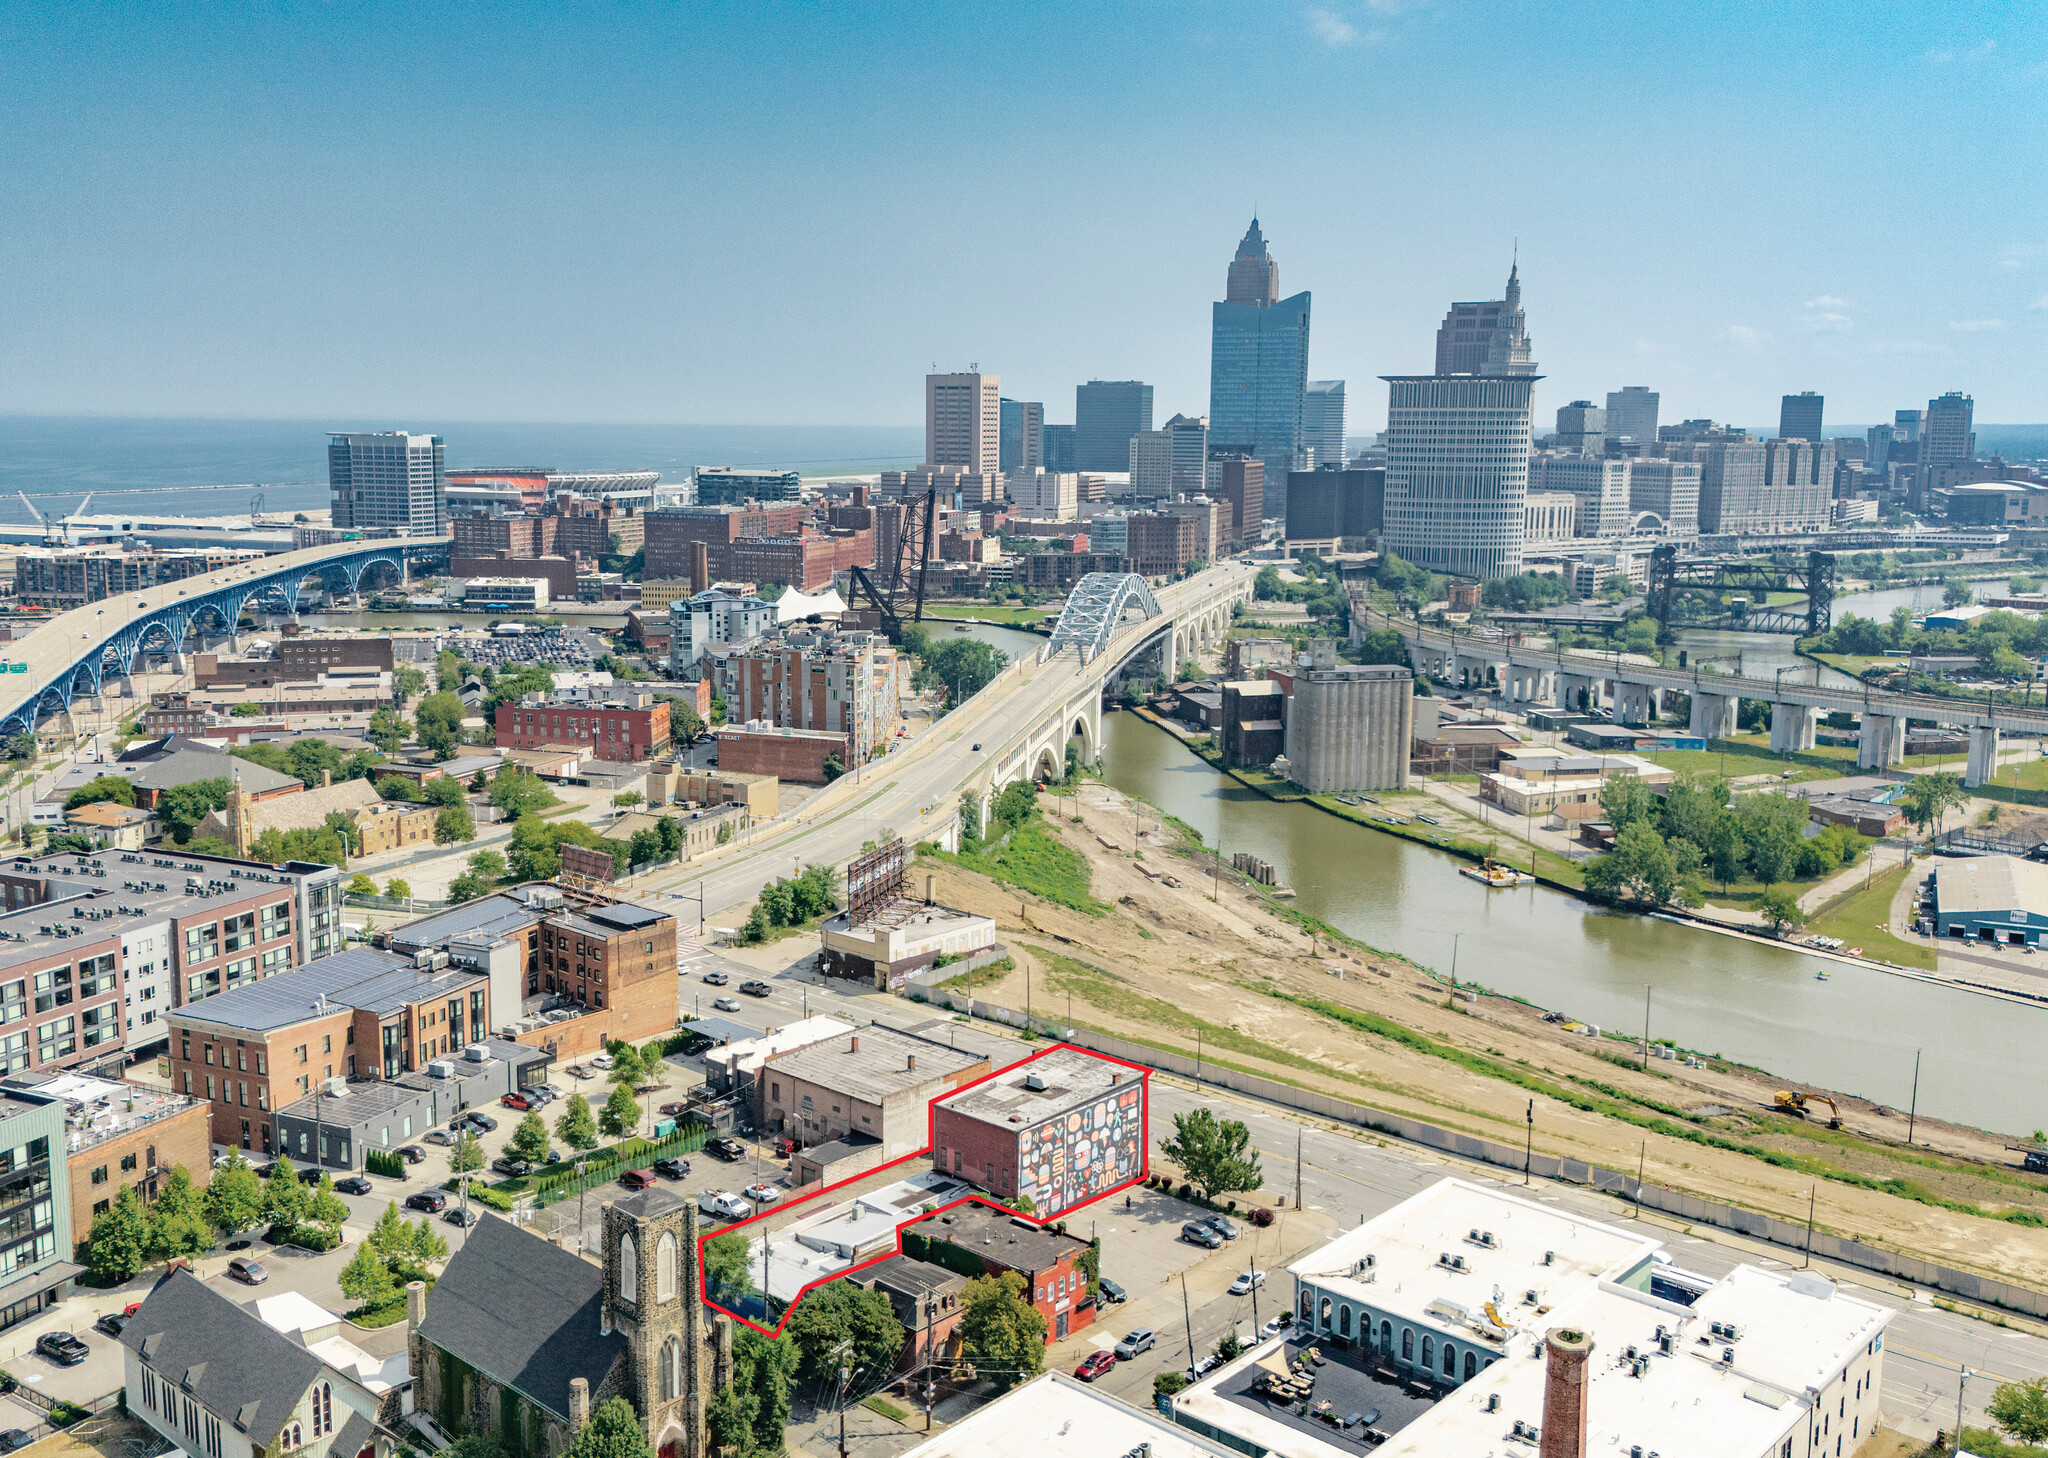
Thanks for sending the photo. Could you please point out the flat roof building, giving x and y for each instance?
(1991, 899)
(873, 1081)
(1057, 1416)
(1060, 1129)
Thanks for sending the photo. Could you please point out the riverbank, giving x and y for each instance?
(1243, 980)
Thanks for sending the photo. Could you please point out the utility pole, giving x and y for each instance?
(1529, 1143)
(1646, 1027)
(1297, 1166)
(1811, 1194)
(1913, 1112)
(1187, 1315)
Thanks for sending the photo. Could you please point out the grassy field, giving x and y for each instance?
(1016, 617)
(1032, 859)
(2029, 774)
(1738, 757)
(1860, 917)
(1853, 664)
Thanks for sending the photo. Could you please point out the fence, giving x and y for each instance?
(602, 1166)
(1676, 1203)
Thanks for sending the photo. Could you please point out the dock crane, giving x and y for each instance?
(55, 533)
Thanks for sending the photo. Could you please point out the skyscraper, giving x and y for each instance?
(1171, 461)
(1322, 422)
(1023, 447)
(1458, 445)
(389, 479)
(963, 421)
(1258, 365)
(1632, 414)
(1107, 413)
(1581, 426)
(1059, 447)
(1946, 438)
(1799, 416)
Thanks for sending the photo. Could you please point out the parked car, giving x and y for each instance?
(673, 1169)
(725, 1147)
(1136, 1344)
(1202, 1368)
(726, 1004)
(1222, 1227)
(637, 1179)
(431, 1201)
(516, 1101)
(1247, 1282)
(1197, 1232)
(724, 1204)
(675, 1110)
(412, 1154)
(353, 1185)
(480, 1121)
(1095, 1365)
(784, 1148)
(716, 979)
(511, 1166)
(248, 1270)
(1277, 1325)
(762, 1194)
(461, 1217)
(600, 1060)
(756, 988)
(112, 1323)
(310, 1175)
(580, 1072)
(977, 746)
(545, 1093)
(438, 1136)
(1111, 1293)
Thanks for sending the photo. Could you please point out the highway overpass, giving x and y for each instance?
(75, 651)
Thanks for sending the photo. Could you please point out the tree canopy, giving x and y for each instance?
(1216, 1153)
(1001, 1332)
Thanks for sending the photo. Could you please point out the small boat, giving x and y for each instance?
(1370, 799)
(1821, 977)
(963, 628)
(1429, 820)
(1493, 873)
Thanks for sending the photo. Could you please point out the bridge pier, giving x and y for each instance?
(1713, 715)
(1882, 742)
(1569, 688)
(1983, 765)
(1791, 728)
(1634, 705)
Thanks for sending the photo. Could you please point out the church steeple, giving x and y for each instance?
(241, 818)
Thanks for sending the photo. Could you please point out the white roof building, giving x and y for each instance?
(1056, 1416)
(736, 1060)
(1436, 1314)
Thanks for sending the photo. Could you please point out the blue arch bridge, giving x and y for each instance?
(76, 651)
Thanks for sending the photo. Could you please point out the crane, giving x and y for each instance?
(64, 526)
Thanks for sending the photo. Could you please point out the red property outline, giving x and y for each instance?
(931, 1122)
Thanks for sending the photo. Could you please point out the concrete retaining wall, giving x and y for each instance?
(1679, 1205)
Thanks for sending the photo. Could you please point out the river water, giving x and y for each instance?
(1856, 1032)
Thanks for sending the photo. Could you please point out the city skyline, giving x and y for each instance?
(190, 250)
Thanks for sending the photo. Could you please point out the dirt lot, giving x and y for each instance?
(1171, 964)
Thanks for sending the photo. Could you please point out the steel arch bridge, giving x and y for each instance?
(73, 653)
(1095, 609)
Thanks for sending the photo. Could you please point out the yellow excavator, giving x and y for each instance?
(1795, 1103)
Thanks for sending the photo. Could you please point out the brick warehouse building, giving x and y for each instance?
(620, 730)
(1062, 1128)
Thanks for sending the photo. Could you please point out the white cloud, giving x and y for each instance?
(1826, 301)
(1743, 334)
(1333, 29)
(2009, 263)
(1826, 321)
(1976, 326)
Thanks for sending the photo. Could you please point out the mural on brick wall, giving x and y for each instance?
(1086, 1153)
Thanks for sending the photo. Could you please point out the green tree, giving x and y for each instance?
(1627, 801)
(1001, 1332)
(612, 1432)
(326, 1206)
(1216, 1153)
(398, 889)
(1929, 797)
(1725, 850)
(178, 1235)
(284, 1197)
(387, 730)
(178, 1195)
(729, 1416)
(182, 807)
(445, 790)
(234, 1197)
(466, 887)
(769, 1366)
(110, 789)
(487, 865)
(454, 825)
(1779, 908)
(467, 1155)
(427, 1246)
(520, 792)
(728, 1274)
(2021, 1410)
(1955, 592)
(408, 682)
(1773, 852)
(685, 724)
(391, 1237)
(398, 787)
(833, 1316)
(1639, 868)
(366, 1279)
(575, 1127)
(361, 885)
(1692, 805)
(626, 799)
(448, 670)
(621, 1113)
(118, 1240)
(530, 1140)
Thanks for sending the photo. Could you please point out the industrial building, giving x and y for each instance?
(1059, 1129)
(1989, 899)
(872, 1083)
(1349, 726)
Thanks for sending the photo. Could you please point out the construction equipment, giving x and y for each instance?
(55, 533)
(1796, 1104)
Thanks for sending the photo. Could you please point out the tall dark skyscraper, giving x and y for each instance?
(1107, 413)
(1946, 438)
(388, 479)
(1799, 416)
(1258, 366)
(1023, 440)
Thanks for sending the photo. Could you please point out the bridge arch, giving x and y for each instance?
(1095, 610)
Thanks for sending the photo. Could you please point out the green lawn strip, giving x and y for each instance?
(977, 978)
(1665, 1119)
(1032, 859)
(1861, 917)
(1736, 759)
(1853, 664)
(888, 1409)
(956, 611)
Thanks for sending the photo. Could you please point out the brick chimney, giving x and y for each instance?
(579, 1404)
(853, 1044)
(1567, 1379)
(910, 1065)
(326, 779)
(415, 1305)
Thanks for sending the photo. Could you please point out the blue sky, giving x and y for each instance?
(786, 214)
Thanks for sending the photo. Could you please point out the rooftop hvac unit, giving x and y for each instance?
(1035, 1082)
(440, 961)
(337, 1086)
(423, 958)
(1493, 1402)
(477, 1053)
(441, 1068)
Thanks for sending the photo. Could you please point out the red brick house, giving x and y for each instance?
(972, 1234)
(622, 730)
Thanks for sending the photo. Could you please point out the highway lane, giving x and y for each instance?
(1351, 1176)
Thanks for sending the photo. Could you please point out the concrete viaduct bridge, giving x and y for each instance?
(1109, 620)
(1547, 676)
(75, 651)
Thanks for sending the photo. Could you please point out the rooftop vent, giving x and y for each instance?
(1035, 1082)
